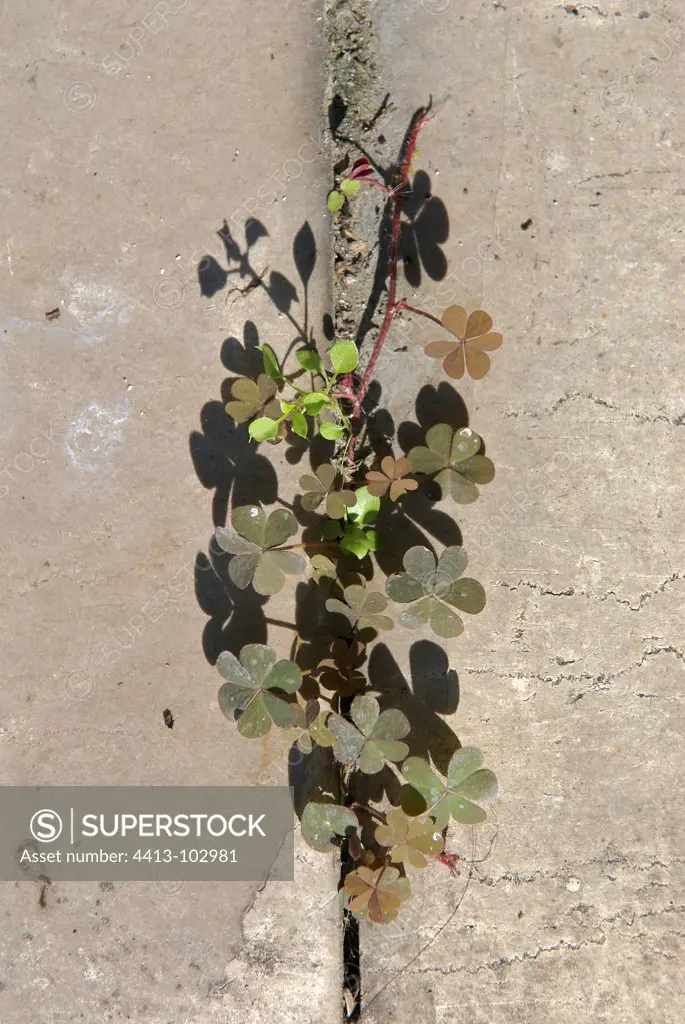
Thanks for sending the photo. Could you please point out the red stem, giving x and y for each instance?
(391, 308)
(403, 304)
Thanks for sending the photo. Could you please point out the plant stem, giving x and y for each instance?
(402, 304)
(403, 188)
(307, 544)
(369, 810)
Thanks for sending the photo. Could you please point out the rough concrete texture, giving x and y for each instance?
(561, 121)
(129, 132)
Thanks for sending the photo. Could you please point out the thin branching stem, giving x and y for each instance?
(400, 193)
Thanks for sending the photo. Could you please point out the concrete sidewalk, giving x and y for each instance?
(130, 131)
(558, 151)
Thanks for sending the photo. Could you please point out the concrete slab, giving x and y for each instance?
(130, 132)
(557, 150)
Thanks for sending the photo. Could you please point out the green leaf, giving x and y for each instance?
(331, 529)
(309, 360)
(373, 739)
(331, 431)
(421, 776)
(365, 508)
(255, 720)
(247, 695)
(314, 402)
(335, 201)
(362, 608)
(355, 542)
(403, 588)
(466, 594)
(338, 502)
(317, 730)
(466, 782)
(344, 356)
(321, 823)
(349, 742)
(263, 429)
(364, 713)
(285, 675)
(299, 424)
(250, 541)
(258, 660)
(279, 527)
(349, 188)
(444, 622)
(250, 522)
(451, 455)
(464, 762)
(465, 444)
(273, 567)
(271, 367)
(322, 566)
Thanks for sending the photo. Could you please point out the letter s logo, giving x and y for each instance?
(46, 826)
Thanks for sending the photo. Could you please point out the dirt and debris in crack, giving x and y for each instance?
(359, 115)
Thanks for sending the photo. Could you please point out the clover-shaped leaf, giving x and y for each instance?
(248, 397)
(321, 823)
(320, 486)
(467, 785)
(374, 738)
(429, 588)
(377, 894)
(410, 840)
(473, 342)
(391, 479)
(452, 455)
(312, 721)
(321, 566)
(252, 542)
(362, 608)
(248, 695)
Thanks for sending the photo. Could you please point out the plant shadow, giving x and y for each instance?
(238, 473)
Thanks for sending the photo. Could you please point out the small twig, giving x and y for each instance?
(254, 283)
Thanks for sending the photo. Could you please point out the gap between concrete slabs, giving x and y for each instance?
(129, 135)
(572, 680)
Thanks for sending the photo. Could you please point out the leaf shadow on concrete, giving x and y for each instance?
(238, 473)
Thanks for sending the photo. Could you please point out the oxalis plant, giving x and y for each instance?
(321, 695)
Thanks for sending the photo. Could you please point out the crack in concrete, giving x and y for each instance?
(601, 679)
(563, 945)
(641, 417)
(575, 869)
(641, 915)
(571, 591)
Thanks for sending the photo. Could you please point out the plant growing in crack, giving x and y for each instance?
(385, 803)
